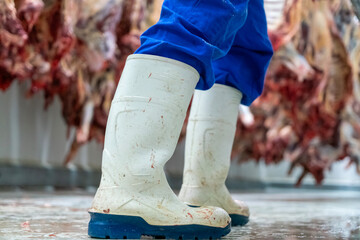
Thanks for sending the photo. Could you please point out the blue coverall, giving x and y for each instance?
(226, 41)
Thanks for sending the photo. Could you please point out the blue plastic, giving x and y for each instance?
(225, 41)
(132, 227)
(245, 65)
(238, 220)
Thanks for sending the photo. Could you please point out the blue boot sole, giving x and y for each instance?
(238, 220)
(111, 226)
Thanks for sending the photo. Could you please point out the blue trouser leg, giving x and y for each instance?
(245, 65)
(211, 36)
(195, 32)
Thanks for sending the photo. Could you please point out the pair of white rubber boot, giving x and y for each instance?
(145, 119)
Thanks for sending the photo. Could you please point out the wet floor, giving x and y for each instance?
(275, 214)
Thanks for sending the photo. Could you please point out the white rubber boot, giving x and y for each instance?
(142, 131)
(209, 139)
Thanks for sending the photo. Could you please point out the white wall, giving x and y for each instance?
(31, 136)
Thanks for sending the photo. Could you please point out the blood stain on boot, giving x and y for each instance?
(207, 213)
(152, 159)
(190, 215)
(106, 211)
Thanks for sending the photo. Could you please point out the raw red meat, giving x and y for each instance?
(308, 91)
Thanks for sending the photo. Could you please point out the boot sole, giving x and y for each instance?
(111, 226)
(238, 220)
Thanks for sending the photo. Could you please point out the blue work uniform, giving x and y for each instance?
(226, 41)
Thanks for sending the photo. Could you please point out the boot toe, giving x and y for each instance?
(221, 217)
(243, 208)
(211, 216)
(240, 215)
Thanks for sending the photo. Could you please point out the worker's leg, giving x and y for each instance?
(145, 120)
(245, 65)
(212, 123)
(195, 32)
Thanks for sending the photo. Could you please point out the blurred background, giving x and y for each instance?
(60, 62)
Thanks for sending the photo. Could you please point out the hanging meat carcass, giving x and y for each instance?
(12, 40)
(71, 49)
(109, 32)
(300, 116)
(283, 17)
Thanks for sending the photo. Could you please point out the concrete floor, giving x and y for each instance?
(275, 214)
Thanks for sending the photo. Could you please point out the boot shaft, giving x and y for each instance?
(146, 116)
(210, 135)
